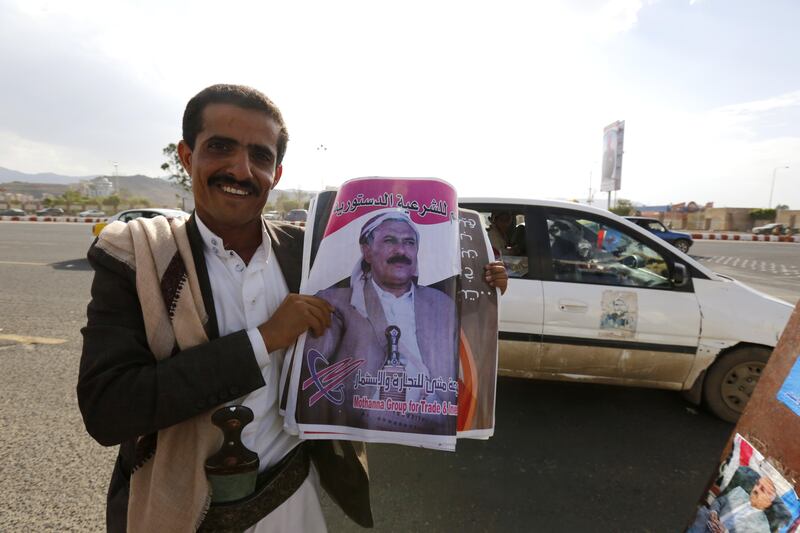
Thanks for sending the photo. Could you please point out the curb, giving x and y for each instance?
(35, 218)
(745, 237)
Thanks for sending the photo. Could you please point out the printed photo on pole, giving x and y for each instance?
(750, 495)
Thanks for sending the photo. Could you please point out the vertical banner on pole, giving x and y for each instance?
(613, 138)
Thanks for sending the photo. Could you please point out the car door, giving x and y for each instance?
(521, 308)
(611, 311)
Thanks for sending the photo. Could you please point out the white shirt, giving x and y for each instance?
(399, 311)
(741, 515)
(245, 296)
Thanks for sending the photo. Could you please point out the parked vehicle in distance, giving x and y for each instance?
(129, 214)
(50, 212)
(681, 241)
(775, 228)
(92, 213)
(12, 212)
(272, 215)
(593, 297)
(296, 215)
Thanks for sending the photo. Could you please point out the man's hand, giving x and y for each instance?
(714, 525)
(496, 275)
(296, 314)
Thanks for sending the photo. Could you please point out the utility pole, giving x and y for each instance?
(772, 188)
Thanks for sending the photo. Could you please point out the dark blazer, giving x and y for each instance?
(123, 393)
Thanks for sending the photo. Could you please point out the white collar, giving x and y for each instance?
(213, 243)
(386, 295)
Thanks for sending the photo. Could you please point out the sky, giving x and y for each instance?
(504, 99)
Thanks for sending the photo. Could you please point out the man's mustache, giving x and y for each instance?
(399, 259)
(227, 179)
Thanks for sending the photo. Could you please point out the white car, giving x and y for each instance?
(92, 213)
(129, 214)
(595, 298)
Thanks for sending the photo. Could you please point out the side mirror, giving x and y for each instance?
(680, 275)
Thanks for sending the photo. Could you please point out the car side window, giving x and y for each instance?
(127, 217)
(507, 237)
(589, 250)
(656, 226)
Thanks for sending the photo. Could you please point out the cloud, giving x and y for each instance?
(607, 19)
(754, 108)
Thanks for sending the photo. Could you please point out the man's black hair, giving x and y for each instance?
(240, 96)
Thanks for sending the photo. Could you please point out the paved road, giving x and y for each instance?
(565, 456)
(773, 268)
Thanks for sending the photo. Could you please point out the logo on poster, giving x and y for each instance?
(329, 380)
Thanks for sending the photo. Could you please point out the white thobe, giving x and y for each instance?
(399, 311)
(245, 296)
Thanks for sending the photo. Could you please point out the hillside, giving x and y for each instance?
(160, 192)
(8, 175)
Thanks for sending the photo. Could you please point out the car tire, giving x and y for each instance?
(731, 379)
(682, 245)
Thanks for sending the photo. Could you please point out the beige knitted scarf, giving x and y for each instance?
(169, 490)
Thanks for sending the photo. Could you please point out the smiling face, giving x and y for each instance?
(233, 166)
(392, 256)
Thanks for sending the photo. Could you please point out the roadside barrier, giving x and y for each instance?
(745, 237)
(36, 218)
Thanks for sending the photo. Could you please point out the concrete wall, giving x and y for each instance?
(727, 219)
(790, 217)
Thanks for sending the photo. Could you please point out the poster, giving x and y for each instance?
(619, 313)
(478, 309)
(750, 495)
(613, 142)
(385, 253)
(789, 393)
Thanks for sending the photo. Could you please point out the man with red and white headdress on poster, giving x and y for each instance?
(387, 368)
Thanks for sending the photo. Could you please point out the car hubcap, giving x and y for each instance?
(738, 384)
(682, 246)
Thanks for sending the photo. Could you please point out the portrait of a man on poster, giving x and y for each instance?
(400, 338)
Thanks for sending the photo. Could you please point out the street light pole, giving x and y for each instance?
(772, 188)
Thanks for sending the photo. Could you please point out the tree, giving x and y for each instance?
(763, 214)
(623, 208)
(287, 204)
(112, 201)
(175, 168)
(781, 207)
(71, 197)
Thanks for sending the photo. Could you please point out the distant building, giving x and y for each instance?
(97, 187)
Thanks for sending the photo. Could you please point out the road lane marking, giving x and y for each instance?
(24, 339)
(22, 263)
(754, 265)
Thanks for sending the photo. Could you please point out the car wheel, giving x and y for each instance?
(682, 245)
(731, 379)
